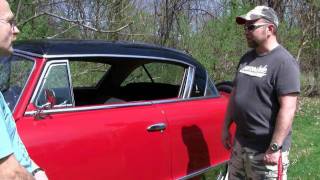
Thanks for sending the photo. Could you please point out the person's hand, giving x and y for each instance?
(40, 175)
(271, 158)
(226, 139)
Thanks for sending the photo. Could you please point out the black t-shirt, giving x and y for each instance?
(259, 81)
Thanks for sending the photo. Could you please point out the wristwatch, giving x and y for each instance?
(274, 147)
(36, 170)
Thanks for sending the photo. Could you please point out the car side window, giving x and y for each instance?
(87, 74)
(157, 73)
(198, 87)
(56, 81)
(111, 81)
(211, 90)
(153, 81)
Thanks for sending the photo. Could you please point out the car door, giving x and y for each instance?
(195, 117)
(195, 125)
(117, 141)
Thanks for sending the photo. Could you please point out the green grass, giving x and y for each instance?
(305, 149)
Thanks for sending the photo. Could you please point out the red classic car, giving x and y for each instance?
(114, 110)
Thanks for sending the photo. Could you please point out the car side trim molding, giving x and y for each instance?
(91, 108)
(202, 171)
(163, 101)
(112, 106)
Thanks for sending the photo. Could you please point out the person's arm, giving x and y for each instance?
(11, 169)
(226, 136)
(288, 104)
(25, 161)
(14, 145)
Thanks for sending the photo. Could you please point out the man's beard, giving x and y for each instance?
(252, 43)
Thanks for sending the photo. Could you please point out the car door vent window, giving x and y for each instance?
(57, 82)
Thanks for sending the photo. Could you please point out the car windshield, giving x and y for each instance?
(14, 73)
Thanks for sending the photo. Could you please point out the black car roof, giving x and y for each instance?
(61, 48)
(56, 49)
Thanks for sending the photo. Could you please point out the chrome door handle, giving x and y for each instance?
(157, 127)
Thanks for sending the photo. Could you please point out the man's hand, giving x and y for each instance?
(271, 158)
(226, 139)
(40, 175)
(11, 169)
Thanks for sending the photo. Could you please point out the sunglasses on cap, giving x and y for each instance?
(253, 27)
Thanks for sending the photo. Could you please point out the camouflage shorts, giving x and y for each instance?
(248, 164)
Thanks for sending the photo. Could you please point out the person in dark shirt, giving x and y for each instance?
(263, 101)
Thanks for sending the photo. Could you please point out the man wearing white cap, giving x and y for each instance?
(263, 101)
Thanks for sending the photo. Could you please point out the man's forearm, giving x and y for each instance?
(284, 118)
(228, 116)
(10, 169)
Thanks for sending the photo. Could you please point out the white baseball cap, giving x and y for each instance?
(257, 13)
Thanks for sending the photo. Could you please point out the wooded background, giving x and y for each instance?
(206, 29)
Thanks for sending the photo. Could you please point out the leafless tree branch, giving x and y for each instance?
(202, 10)
(18, 10)
(62, 32)
(77, 22)
(31, 18)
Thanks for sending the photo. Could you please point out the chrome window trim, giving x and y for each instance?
(202, 171)
(189, 83)
(90, 108)
(190, 70)
(113, 106)
(70, 83)
(206, 87)
(185, 95)
(33, 68)
(207, 82)
(160, 101)
(101, 55)
(17, 51)
(23, 55)
(47, 68)
(183, 83)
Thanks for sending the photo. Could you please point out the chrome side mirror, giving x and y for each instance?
(50, 102)
(50, 97)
